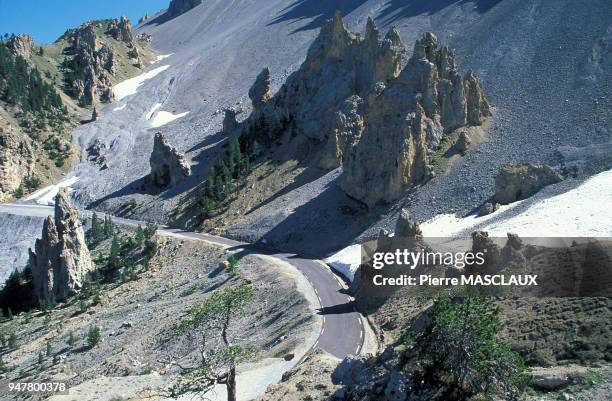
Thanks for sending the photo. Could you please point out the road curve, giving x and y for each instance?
(342, 331)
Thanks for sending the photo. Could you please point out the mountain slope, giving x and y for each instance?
(528, 70)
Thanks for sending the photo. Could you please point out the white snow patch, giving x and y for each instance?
(153, 110)
(581, 212)
(130, 86)
(162, 56)
(46, 195)
(346, 261)
(120, 107)
(164, 117)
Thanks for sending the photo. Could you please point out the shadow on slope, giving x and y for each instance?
(318, 11)
(329, 221)
(399, 9)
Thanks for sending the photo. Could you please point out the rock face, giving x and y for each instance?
(519, 181)
(168, 165)
(121, 29)
(260, 92)
(61, 259)
(178, 7)
(16, 161)
(368, 109)
(21, 45)
(94, 62)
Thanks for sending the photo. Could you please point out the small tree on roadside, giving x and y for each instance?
(209, 324)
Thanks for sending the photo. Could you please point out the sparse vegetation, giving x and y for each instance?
(93, 336)
(460, 353)
(219, 355)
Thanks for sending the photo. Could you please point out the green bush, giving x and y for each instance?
(460, 353)
(93, 336)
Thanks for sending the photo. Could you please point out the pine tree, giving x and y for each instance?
(97, 231)
(12, 341)
(140, 235)
(10, 313)
(41, 359)
(109, 227)
(210, 184)
(49, 348)
(114, 253)
(71, 340)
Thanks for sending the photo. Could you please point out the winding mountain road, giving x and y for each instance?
(343, 332)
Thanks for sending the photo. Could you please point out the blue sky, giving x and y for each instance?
(46, 20)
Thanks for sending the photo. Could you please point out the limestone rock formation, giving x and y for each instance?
(121, 29)
(488, 208)
(16, 161)
(364, 106)
(406, 227)
(405, 119)
(96, 153)
(61, 259)
(519, 181)
(21, 45)
(178, 7)
(94, 61)
(260, 92)
(168, 165)
(229, 120)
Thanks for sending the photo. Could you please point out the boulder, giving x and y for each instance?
(556, 378)
(61, 259)
(519, 181)
(21, 45)
(168, 165)
(463, 143)
(488, 208)
(406, 227)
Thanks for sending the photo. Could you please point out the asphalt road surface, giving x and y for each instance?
(342, 331)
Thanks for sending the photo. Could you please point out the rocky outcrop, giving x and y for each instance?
(366, 108)
(96, 153)
(260, 92)
(168, 165)
(519, 181)
(121, 29)
(406, 119)
(229, 120)
(60, 259)
(16, 161)
(488, 208)
(406, 227)
(178, 7)
(21, 45)
(93, 63)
